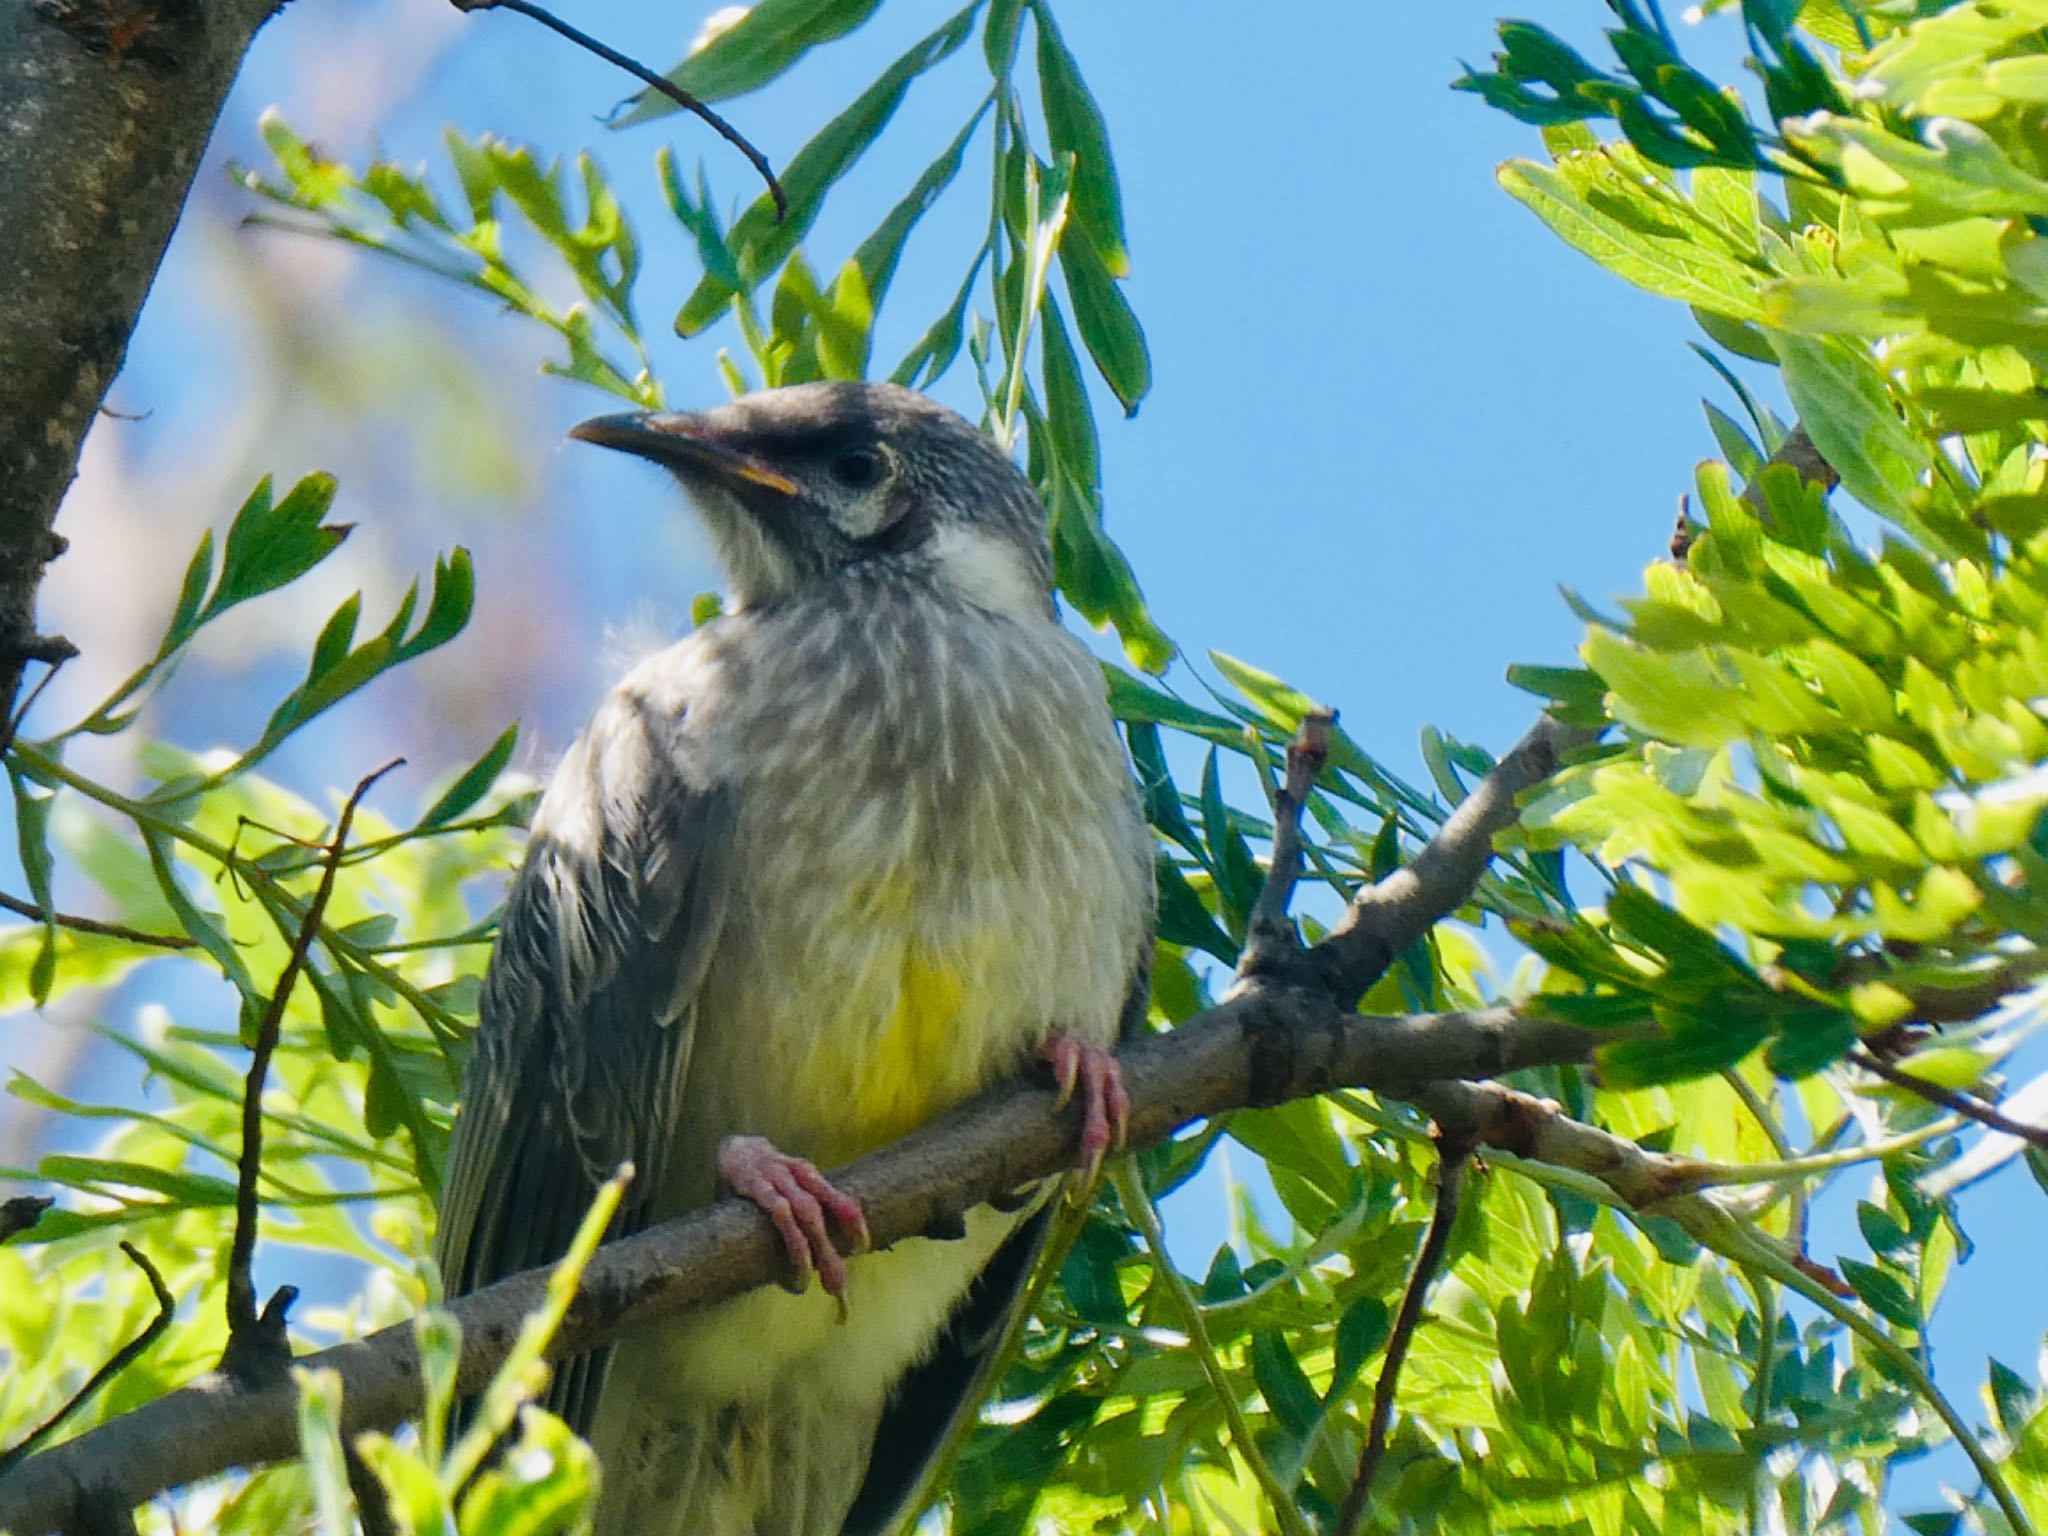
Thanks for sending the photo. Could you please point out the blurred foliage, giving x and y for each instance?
(1820, 813)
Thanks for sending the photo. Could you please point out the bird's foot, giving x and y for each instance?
(1095, 1075)
(802, 1203)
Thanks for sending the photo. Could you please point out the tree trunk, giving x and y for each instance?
(105, 108)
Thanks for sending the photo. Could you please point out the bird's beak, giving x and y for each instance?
(682, 442)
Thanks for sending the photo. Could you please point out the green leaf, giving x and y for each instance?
(198, 925)
(1183, 919)
(1883, 1292)
(766, 40)
(1109, 327)
(1686, 946)
(876, 256)
(999, 36)
(1089, 1274)
(1284, 1385)
(448, 608)
(1621, 226)
(1849, 413)
(940, 344)
(700, 218)
(1155, 784)
(1075, 125)
(472, 784)
(1283, 705)
(1237, 873)
(2011, 1398)
(266, 548)
(1701, 1047)
(32, 806)
(1361, 1333)
(759, 240)
(1133, 699)
(1880, 1228)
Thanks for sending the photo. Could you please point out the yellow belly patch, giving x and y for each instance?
(912, 1069)
(922, 1057)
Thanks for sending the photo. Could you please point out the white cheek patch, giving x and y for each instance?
(864, 518)
(985, 570)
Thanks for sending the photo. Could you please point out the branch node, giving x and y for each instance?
(1271, 940)
(259, 1352)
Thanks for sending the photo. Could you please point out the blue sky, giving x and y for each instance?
(1392, 413)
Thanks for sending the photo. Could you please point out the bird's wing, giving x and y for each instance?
(588, 1008)
(933, 1396)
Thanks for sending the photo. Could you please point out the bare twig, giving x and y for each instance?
(243, 1321)
(95, 925)
(53, 651)
(1965, 1104)
(651, 80)
(1270, 937)
(1389, 915)
(21, 1213)
(1144, 1215)
(1429, 1260)
(121, 1359)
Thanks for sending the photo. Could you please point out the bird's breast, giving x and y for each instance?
(940, 863)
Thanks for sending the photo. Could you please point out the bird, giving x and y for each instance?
(849, 853)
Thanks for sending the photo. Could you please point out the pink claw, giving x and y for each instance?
(799, 1200)
(1105, 1107)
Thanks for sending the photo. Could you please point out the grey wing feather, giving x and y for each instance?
(588, 1009)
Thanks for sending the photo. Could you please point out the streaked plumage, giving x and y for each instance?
(829, 866)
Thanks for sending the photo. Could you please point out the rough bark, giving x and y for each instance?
(105, 108)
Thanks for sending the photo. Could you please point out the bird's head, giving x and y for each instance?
(801, 485)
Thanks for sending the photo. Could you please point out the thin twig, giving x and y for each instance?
(55, 661)
(1766, 1117)
(1967, 1105)
(122, 1358)
(1390, 914)
(1450, 1170)
(1270, 936)
(94, 925)
(648, 77)
(1138, 1206)
(241, 1299)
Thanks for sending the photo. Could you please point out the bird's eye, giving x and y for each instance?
(859, 469)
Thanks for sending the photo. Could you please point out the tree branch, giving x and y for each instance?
(107, 105)
(1429, 1259)
(95, 926)
(1263, 1048)
(1965, 1104)
(1272, 1041)
(647, 77)
(1271, 940)
(1389, 915)
(113, 1366)
(256, 1341)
